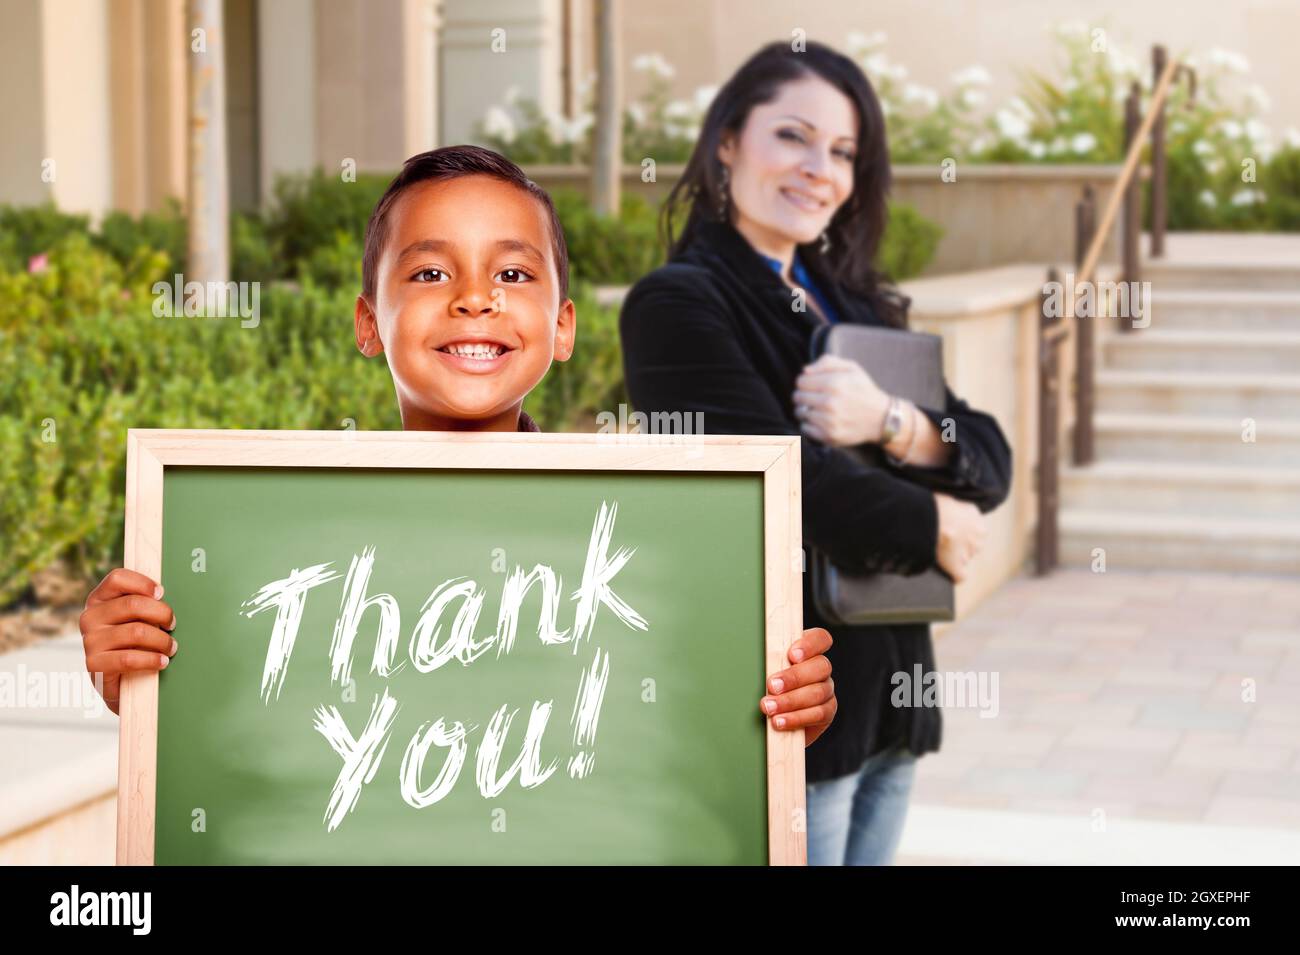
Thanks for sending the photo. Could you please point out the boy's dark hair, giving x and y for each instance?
(451, 162)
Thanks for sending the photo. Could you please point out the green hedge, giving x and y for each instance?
(83, 358)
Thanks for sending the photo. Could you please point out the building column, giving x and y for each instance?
(286, 74)
(485, 52)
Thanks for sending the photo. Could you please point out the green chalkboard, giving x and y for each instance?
(675, 773)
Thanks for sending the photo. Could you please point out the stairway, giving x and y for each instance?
(1174, 486)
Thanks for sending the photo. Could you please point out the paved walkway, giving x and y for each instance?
(1160, 709)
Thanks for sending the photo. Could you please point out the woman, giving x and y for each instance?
(784, 200)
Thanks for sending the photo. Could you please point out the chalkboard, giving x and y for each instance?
(403, 648)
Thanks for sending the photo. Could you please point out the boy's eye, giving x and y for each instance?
(430, 275)
(513, 276)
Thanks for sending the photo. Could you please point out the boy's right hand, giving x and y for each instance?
(124, 629)
(962, 531)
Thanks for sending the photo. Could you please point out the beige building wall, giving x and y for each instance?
(706, 41)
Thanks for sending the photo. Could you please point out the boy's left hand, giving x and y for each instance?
(803, 696)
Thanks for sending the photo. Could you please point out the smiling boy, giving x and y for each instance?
(465, 282)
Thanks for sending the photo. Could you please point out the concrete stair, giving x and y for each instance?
(1178, 483)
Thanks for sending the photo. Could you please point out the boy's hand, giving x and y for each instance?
(803, 696)
(123, 629)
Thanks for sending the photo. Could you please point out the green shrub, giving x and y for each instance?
(27, 231)
(124, 236)
(609, 251)
(309, 211)
(83, 358)
(909, 243)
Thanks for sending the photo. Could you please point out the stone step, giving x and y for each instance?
(1179, 542)
(1270, 273)
(1196, 439)
(1199, 393)
(1225, 309)
(1211, 350)
(1177, 488)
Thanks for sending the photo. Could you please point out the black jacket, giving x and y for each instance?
(713, 331)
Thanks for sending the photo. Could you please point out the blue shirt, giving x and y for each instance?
(805, 281)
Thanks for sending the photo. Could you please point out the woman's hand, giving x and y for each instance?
(838, 403)
(123, 630)
(961, 534)
(803, 696)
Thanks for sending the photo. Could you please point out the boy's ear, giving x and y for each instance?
(565, 330)
(367, 327)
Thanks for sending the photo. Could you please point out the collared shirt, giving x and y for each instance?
(805, 282)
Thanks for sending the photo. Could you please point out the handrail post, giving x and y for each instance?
(1132, 226)
(1049, 381)
(1159, 182)
(1085, 225)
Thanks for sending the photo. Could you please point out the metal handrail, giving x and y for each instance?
(1130, 166)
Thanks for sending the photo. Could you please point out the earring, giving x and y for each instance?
(826, 242)
(722, 193)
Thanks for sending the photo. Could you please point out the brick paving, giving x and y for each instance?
(1128, 693)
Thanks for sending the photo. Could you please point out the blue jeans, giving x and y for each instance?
(858, 819)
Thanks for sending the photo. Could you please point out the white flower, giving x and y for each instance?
(979, 144)
(1178, 126)
(1202, 148)
(1083, 143)
(637, 112)
(1214, 165)
(1036, 149)
(557, 127)
(876, 63)
(1121, 64)
(1292, 137)
(860, 43)
(1231, 128)
(972, 76)
(971, 97)
(1020, 108)
(1246, 197)
(897, 72)
(1259, 98)
(655, 65)
(1069, 84)
(575, 130)
(679, 109)
(1208, 198)
(915, 93)
(1011, 125)
(703, 97)
(1056, 146)
(1256, 131)
(1233, 62)
(498, 124)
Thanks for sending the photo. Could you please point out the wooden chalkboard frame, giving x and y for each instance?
(776, 457)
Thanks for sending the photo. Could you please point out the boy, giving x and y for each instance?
(465, 291)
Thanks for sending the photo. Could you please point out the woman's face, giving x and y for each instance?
(791, 166)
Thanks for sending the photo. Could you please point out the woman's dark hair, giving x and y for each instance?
(857, 226)
(452, 162)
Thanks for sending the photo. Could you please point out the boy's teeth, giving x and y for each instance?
(474, 351)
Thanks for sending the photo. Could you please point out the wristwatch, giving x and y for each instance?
(893, 421)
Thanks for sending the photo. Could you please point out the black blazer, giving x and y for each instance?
(714, 331)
